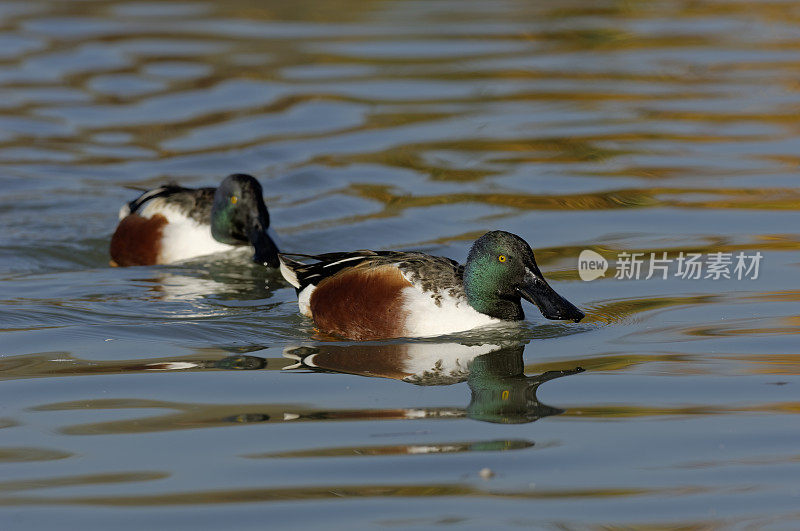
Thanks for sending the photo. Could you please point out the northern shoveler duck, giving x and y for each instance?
(172, 223)
(365, 295)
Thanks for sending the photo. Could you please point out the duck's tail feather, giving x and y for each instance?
(289, 268)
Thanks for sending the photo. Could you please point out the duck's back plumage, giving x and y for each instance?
(430, 273)
(192, 203)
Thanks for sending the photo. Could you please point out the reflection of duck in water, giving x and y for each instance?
(384, 294)
(220, 279)
(501, 392)
(172, 223)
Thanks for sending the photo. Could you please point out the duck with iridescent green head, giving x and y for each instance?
(370, 295)
(171, 223)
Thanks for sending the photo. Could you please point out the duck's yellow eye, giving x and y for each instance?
(502, 258)
(234, 200)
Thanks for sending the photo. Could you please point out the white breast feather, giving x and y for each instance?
(183, 238)
(426, 318)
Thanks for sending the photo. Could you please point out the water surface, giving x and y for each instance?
(194, 395)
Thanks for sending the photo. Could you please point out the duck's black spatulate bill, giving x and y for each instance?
(552, 305)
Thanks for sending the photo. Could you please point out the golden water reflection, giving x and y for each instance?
(500, 390)
(284, 494)
(401, 449)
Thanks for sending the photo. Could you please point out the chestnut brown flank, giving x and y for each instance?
(137, 240)
(361, 303)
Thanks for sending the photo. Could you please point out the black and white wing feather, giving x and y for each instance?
(300, 275)
(194, 203)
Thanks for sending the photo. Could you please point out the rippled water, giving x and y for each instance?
(194, 395)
